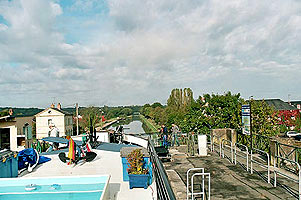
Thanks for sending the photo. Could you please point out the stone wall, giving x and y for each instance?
(226, 133)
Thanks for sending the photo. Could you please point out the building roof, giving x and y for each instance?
(295, 103)
(62, 111)
(22, 112)
(278, 104)
(59, 110)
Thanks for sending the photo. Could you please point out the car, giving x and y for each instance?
(292, 134)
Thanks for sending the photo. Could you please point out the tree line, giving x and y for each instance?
(211, 111)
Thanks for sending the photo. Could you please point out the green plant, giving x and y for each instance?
(135, 162)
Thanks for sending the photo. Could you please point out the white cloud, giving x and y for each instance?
(140, 50)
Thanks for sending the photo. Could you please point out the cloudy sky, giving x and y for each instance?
(123, 52)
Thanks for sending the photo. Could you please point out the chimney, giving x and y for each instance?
(59, 106)
(52, 105)
(10, 112)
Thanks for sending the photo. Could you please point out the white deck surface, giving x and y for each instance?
(106, 162)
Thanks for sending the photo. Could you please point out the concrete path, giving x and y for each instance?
(228, 181)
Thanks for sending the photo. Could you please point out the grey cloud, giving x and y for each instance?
(146, 48)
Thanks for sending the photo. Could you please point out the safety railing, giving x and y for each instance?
(289, 152)
(209, 142)
(267, 165)
(245, 152)
(278, 171)
(224, 144)
(198, 172)
(219, 144)
(164, 190)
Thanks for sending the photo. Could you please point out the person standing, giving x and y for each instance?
(175, 131)
(54, 132)
(164, 134)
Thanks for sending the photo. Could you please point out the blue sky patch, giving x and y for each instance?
(3, 21)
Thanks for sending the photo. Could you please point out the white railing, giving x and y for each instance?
(267, 166)
(198, 172)
(246, 153)
(277, 171)
(210, 143)
(219, 143)
(231, 148)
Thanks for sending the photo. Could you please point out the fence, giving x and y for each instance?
(258, 159)
(197, 172)
(286, 157)
(227, 147)
(259, 141)
(289, 152)
(277, 170)
(244, 152)
(164, 190)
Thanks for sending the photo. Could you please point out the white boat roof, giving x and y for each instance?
(107, 162)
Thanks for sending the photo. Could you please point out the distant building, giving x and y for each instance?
(287, 112)
(56, 116)
(16, 126)
(296, 104)
(279, 105)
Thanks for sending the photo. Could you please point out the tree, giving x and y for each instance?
(90, 116)
(4, 113)
(126, 112)
(180, 99)
(157, 104)
(264, 119)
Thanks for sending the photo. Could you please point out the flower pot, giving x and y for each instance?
(138, 180)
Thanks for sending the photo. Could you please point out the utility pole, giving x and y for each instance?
(77, 128)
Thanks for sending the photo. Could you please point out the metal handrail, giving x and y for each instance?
(231, 148)
(210, 143)
(259, 163)
(285, 175)
(247, 154)
(164, 190)
(201, 173)
(220, 144)
(295, 150)
(203, 185)
(187, 179)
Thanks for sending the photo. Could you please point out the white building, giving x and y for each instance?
(61, 119)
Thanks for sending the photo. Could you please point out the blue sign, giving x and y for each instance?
(246, 119)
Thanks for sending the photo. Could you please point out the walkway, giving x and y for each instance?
(227, 180)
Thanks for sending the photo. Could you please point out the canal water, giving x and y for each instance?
(130, 126)
(134, 127)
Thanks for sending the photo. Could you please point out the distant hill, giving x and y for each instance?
(22, 112)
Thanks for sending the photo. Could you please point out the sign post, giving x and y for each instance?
(246, 119)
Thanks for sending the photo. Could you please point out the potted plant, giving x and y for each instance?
(138, 175)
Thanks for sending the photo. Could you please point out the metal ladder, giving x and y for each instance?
(197, 172)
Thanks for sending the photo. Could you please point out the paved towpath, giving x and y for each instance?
(228, 181)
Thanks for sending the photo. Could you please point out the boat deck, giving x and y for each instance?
(108, 161)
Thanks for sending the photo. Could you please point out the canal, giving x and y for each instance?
(131, 125)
